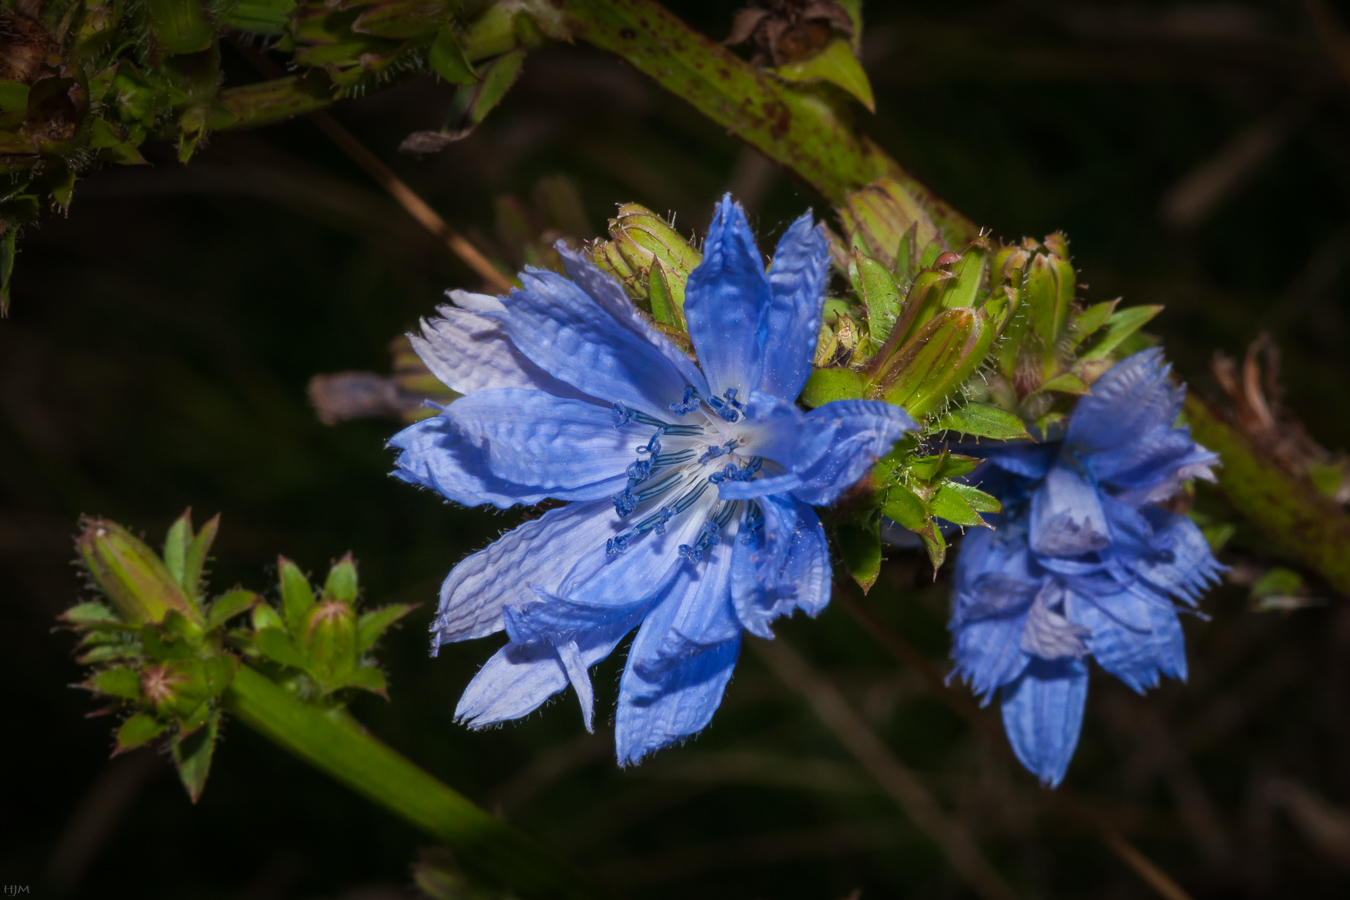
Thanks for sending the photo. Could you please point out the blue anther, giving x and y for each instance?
(625, 415)
(624, 502)
(638, 471)
(688, 403)
(616, 545)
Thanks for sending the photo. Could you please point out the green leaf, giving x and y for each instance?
(120, 681)
(948, 503)
(341, 583)
(879, 293)
(968, 272)
(94, 616)
(978, 499)
(1120, 326)
(1049, 288)
(192, 756)
(179, 626)
(906, 508)
(1086, 323)
(113, 652)
(664, 308)
(477, 100)
(265, 616)
(178, 26)
(230, 605)
(983, 420)
(860, 547)
(296, 595)
(367, 678)
(277, 646)
(1068, 383)
(196, 558)
(176, 546)
(826, 385)
(837, 65)
(372, 626)
(161, 650)
(448, 60)
(137, 731)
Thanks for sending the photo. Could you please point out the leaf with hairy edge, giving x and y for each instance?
(372, 626)
(195, 563)
(136, 732)
(1119, 327)
(982, 420)
(951, 505)
(192, 756)
(837, 65)
(860, 547)
(276, 646)
(296, 594)
(234, 603)
(367, 678)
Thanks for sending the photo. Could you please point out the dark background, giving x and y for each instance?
(163, 333)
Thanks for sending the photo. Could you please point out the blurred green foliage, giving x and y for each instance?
(164, 332)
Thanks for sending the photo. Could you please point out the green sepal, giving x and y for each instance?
(117, 651)
(941, 465)
(1085, 324)
(447, 58)
(341, 583)
(192, 756)
(122, 682)
(659, 295)
(478, 99)
(366, 678)
(402, 19)
(879, 293)
(330, 642)
(983, 420)
(296, 595)
(1120, 326)
(266, 17)
(978, 499)
(951, 504)
(138, 731)
(932, 367)
(906, 508)
(265, 617)
(827, 385)
(860, 548)
(179, 626)
(178, 26)
(967, 278)
(836, 64)
(278, 647)
(176, 546)
(372, 625)
(232, 604)
(1049, 287)
(162, 649)
(94, 615)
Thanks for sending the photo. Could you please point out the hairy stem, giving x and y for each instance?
(486, 847)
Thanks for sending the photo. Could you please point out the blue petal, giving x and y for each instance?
(539, 552)
(1029, 461)
(725, 301)
(993, 592)
(1066, 515)
(857, 432)
(680, 662)
(569, 449)
(1048, 632)
(780, 564)
(436, 455)
(1134, 397)
(517, 680)
(987, 653)
(565, 332)
(1182, 564)
(1137, 657)
(610, 296)
(470, 352)
(1043, 715)
(791, 324)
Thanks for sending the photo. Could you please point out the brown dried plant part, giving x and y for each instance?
(1254, 397)
(787, 31)
(24, 43)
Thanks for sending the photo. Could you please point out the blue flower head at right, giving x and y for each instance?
(1085, 563)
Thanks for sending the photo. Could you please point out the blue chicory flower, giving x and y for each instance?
(689, 486)
(1085, 563)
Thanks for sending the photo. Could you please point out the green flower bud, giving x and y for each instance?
(132, 575)
(331, 640)
(931, 368)
(877, 218)
(639, 239)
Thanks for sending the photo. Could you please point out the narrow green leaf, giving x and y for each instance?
(1085, 324)
(93, 615)
(906, 508)
(968, 272)
(367, 678)
(447, 58)
(265, 616)
(879, 293)
(1120, 326)
(176, 547)
(230, 605)
(296, 594)
(136, 732)
(826, 385)
(371, 626)
(275, 645)
(983, 420)
(192, 756)
(196, 558)
(860, 547)
(949, 504)
(978, 499)
(1068, 383)
(120, 681)
(104, 653)
(837, 65)
(498, 77)
(341, 583)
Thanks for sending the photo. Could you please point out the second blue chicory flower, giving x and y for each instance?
(689, 487)
(1085, 562)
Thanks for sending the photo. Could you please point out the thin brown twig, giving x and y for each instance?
(962, 704)
(405, 196)
(893, 776)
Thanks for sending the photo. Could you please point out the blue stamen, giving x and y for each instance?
(688, 403)
(616, 545)
(727, 406)
(624, 415)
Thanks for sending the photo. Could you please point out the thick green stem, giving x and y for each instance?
(486, 847)
(1300, 523)
(798, 129)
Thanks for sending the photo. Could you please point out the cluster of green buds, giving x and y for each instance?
(652, 261)
(164, 656)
